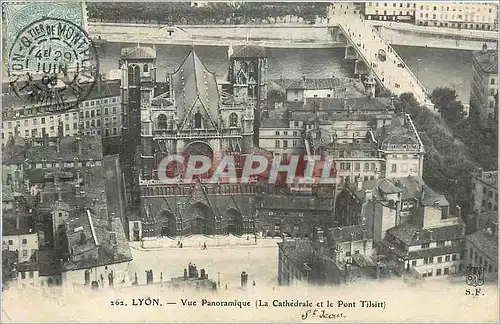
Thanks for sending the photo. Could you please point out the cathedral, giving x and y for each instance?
(189, 113)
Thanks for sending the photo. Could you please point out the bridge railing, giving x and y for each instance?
(399, 58)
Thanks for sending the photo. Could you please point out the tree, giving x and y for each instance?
(443, 96)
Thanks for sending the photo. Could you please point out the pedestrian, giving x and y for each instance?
(204, 246)
(180, 245)
(254, 283)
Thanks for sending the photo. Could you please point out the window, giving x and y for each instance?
(146, 68)
(197, 120)
(277, 143)
(356, 167)
(92, 103)
(393, 168)
(438, 272)
(447, 258)
(233, 120)
(92, 113)
(25, 241)
(10, 242)
(115, 132)
(43, 121)
(414, 263)
(425, 245)
(25, 253)
(98, 122)
(348, 254)
(106, 111)
(440, 259)
(115, 120)
(454, 257)
(31, 274)
(75, 125)
(23, 275)
(114, 109)
(440, 243)
(446, 270)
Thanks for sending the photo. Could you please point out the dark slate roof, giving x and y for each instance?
(297, 251)
(409, 187)
(274, 123)
(9, 223)
(49, 263)
(407, 233)
(312, 84)
(193, 82)
(397, 132)
(107, 254)
(486, 242)
(429, 197)
(138, 52)
(338, 104)
(487, 60)
(438, 251)
(249, 51)
(346, 233)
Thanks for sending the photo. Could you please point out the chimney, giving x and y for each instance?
(17, 219)
(368, 194)
(463, 229)
(83, 239)
(484, 49)
(58, 145)
(60, 131)
(296, 244)
(417, 234)
(459, 212)
(430, 235)
(345, 103)
(112, 239)
(79, 143)
(377, 174)
(59, 194)
(303, 77)
(359, 183)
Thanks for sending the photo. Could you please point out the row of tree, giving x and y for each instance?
(211, 13)
(452, 153)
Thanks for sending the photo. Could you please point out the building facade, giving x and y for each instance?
(484, 195)
(484, 87)
(98, 115)
(391, 11)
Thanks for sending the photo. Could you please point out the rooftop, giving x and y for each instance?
(138, 52)
(298, 251)
(191, 83)
(17, 222)
(487, 60)
(348, 233)
(337, 104)
(274, 123)
(87, 232)
(294, 202)
(412, 234)
(486, 242)
(52, 150)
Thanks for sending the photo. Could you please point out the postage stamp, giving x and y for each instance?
(52, 61)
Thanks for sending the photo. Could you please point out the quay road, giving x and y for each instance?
(392, 72)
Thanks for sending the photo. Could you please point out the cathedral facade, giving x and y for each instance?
(189, 114)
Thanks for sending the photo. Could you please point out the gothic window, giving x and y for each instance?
(233, 120)
(133, 74)
(146, 68)
(197, 120)
(162, 122)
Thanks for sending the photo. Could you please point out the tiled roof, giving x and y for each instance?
(138, 52)
(409, 187)
(407, 233)
(348, 233)
(486, 242)
(249, 51)
(487, 60)
(312, 84)
(396, 133)
(274, 123)
(297, 251)
(193, 82)
(336, 104)
(10, 219)
(442, 250)
(107, 253)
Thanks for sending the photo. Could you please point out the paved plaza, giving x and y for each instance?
(223, 259)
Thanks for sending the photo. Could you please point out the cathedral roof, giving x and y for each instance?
(193, 82)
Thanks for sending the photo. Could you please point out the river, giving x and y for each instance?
(434, 67)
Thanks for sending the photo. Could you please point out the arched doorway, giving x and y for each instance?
(234, 222)
(167, 223)
(201, 219)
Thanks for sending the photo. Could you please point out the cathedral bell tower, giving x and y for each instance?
(248, 77)
(138, 72)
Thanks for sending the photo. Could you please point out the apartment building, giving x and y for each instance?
(484, 87)
(403, 11)
(98, 114)
(484, 195)
(482, 244)
(462, 15)
(282, 138)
